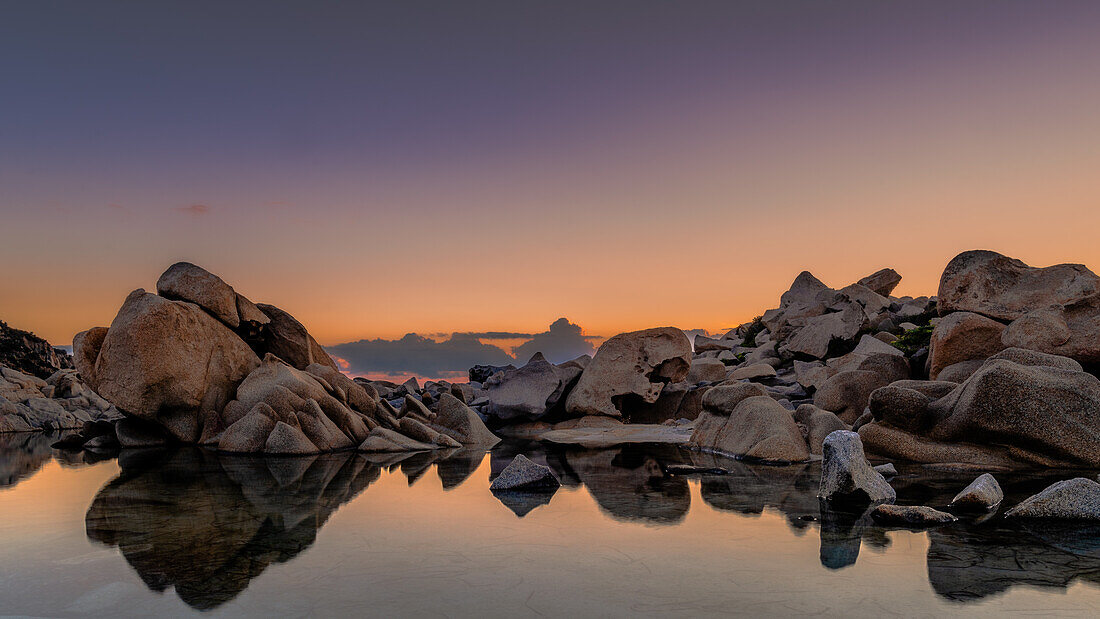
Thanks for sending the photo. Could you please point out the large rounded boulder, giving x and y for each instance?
(629, 370)
(169, 362)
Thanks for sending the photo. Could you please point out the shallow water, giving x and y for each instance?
(174, 533)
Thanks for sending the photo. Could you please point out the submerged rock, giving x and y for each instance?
(522, 474)
(908, 515)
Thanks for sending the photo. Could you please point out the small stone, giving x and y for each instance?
(982, 493)
(522, 474)
(887, 470)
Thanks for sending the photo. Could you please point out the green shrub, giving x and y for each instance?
(913, 340)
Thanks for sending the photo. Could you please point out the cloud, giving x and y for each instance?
(426, 357)
(564, 341)
(196, 210)
(418, 355)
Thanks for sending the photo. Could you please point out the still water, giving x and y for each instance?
(182, 532)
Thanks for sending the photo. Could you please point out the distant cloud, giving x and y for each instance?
(564, 341)
(422, 356)
(196, 210)
(418, 355)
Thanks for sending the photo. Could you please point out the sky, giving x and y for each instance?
(381, 169)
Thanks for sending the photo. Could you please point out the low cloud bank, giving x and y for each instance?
(421, 356)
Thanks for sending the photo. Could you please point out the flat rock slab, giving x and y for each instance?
(595, 438)
(910, 516)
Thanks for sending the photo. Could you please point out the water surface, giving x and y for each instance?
(186, 531)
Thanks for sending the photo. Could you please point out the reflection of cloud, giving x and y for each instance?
(194, 209)
(422, 356)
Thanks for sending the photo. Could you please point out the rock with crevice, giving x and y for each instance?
(630, 369)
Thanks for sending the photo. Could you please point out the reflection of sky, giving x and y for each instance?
(408, 546)
(446, 166)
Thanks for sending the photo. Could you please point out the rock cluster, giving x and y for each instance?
(200, 363)
(60, 402)
(25, 352)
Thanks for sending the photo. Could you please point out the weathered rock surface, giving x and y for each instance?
(288, 340)
(522, 475)
(818, 423)
(847, 393)
(1073, 499)
(1049, 410)
(756, 370)
(757, 428)
(531, 392)
(846, 476)
(910, 516)
(184, 281)
(881, 282)
(629, 369)
(461, 423)
(25, 352)
(61, 402)
(963, 336)
(709, 371)
(170, 362)
(982, 493)
(1003, 288)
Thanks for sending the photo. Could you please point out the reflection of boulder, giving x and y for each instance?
(629, 482)
(750, 488)
(972, 562)
(841, 535)
(457, 467)
(22, 454)
(207, 524)
(522, 503)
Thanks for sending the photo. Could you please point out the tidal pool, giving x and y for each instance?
(166, 533)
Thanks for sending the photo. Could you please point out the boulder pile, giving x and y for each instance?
(198, 362)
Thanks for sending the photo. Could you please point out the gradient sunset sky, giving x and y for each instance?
(378, 169)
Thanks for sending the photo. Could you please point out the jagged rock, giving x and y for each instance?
(910, 516)
(846, 476)
(963, 336)
(278, 393)
(461, 423)
(982, 493)
(881, 282)
(1073, 499)
(418, 431)
(628, 369)
(388, 441)
(870, 345)
(184, 281)
(530, 392)
(818, 333)
(522, 474)
(757, 427)
(482, 373)
(171, 363)
(288, 340)
(819, 424)
(25, 352)
(812, 374)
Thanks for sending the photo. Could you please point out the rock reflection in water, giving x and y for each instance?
(207, 524)
(22, 454)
